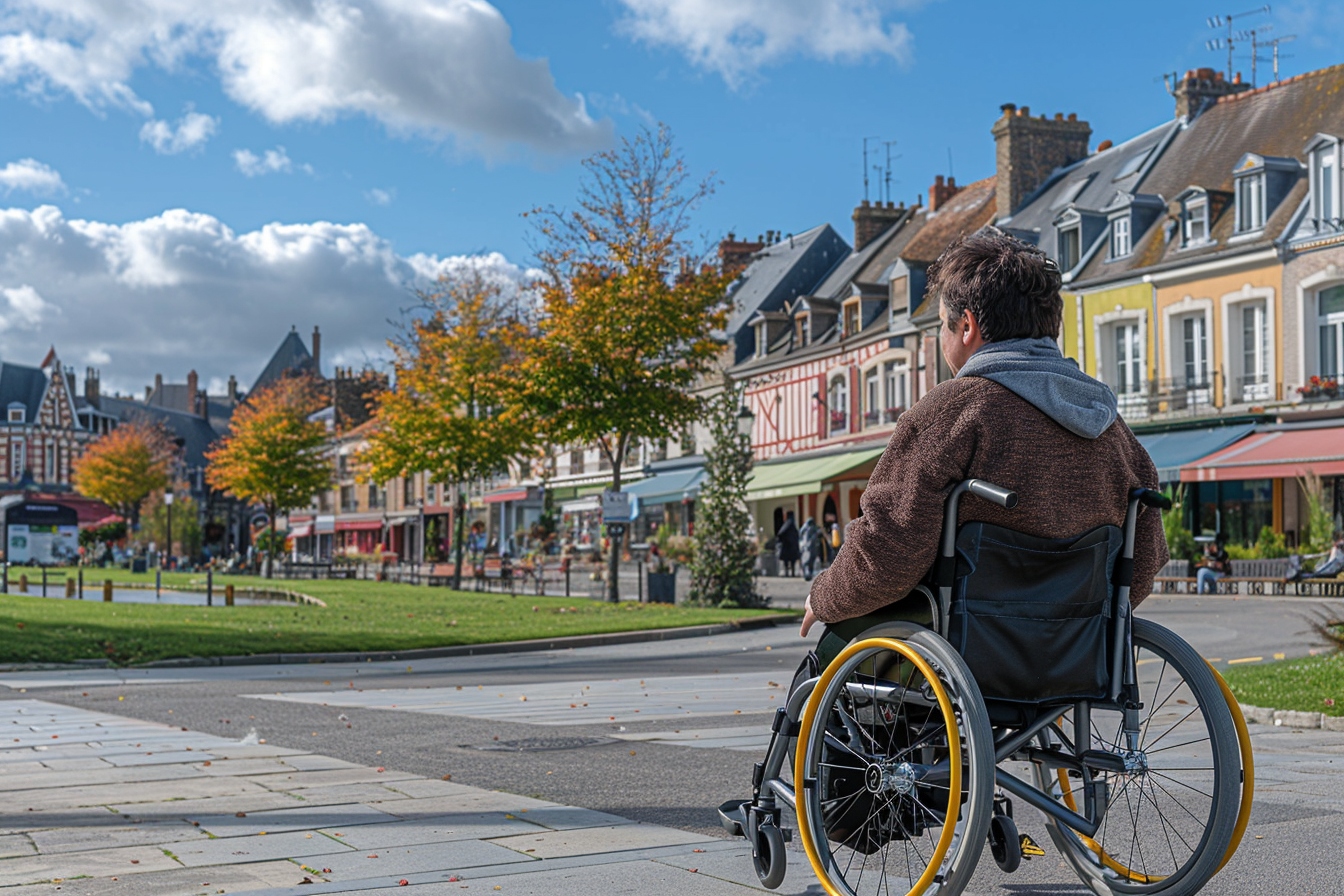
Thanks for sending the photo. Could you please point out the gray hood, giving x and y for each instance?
(1035, 371)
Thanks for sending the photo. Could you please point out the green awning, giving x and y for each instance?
(670, 487)
(804, 477)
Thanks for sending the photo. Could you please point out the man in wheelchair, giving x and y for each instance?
(1016, 413)
(962, 635)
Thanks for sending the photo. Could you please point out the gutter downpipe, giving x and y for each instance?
(1157, 328)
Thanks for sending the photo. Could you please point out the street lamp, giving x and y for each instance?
(420, 504)
(745, 420)
(168, 541)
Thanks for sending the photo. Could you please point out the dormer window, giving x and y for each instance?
(1325, 200)
(800, 331)
(852, 319)
(1251, 202)
(1121, 240)
(1070, 247)
(761, 344)
(17, 412)
(1196, 221)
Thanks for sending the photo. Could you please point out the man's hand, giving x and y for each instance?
(808, 618)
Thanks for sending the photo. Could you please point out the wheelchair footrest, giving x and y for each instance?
(733, 817)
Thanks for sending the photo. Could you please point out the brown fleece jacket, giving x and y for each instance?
(974, 428)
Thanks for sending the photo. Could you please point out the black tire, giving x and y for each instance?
(1004, 844)
(768, 857)
(1141, 849)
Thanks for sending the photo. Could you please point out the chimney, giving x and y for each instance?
(872, 219)
(317, 352)
(735, 254)
(233, 389)
(91, 393)
(158, 388)
(1201, 86)
(940, 192)
(1028, 149)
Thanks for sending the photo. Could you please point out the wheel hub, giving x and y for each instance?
(898, 778)
(1136, 761)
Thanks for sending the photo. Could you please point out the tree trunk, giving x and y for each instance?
(614, 560)
(270, 542)
(459, 523)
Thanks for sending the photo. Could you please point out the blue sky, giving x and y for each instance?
(178, 186)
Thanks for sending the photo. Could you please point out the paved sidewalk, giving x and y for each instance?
(101, 804)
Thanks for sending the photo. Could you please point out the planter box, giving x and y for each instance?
(662, 587)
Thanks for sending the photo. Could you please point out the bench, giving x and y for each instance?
(1248, 577)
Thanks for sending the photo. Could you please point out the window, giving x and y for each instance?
(1120, 239)
(1196, 222)
(852, 319)
(376, 497)
(1126, 367)
(50, 472)
(348, 504)
(431, 493)
(761, 345)
(838, 404)
(1330, 308)
(800, 331)
(1250, 202)
(1194, 339)
(872, 399)
(1325, 189)
(1254, 353)
(576, 461)
(1070, 249)
(688, 445)
(18, 459)
(343, 466)
(897, 377)
(16, 414)
(899, 289)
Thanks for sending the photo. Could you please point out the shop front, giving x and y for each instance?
(667, 497)
(825, 487)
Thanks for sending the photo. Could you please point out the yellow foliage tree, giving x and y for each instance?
(125, 466)
(274, 455)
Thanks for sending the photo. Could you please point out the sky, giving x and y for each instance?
(180, 184)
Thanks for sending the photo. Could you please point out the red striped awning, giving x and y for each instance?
(499, 496)
(359, 525)
(1278, 454)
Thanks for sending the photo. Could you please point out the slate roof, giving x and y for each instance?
(196, 433)
(22, 384)
(837, 283)
(290, 357)
(966, 212)
(779, 273)
(1276, 120)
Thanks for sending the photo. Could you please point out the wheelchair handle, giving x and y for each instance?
(1151, 498)
(991, 492)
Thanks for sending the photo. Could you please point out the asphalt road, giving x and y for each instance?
(1299, 814)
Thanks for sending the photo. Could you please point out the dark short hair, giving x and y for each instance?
(1012, 287)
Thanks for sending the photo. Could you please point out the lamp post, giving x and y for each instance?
(746, 420)
(420, 505)
(168, 538)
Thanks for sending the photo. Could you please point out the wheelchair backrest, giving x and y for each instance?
(1033, 616)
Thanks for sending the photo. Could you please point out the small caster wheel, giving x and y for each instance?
(768, 857)
(1004, 843)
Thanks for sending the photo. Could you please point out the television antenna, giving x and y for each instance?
(1253, 35)
(1229, 42)
(1277, 56)
(886, 177)
(865, 165)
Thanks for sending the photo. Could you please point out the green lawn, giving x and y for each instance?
(1305, 684)
(358, 616)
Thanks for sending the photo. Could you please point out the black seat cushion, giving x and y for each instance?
(1031, 615)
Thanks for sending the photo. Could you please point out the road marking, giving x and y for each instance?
(1214, 659)
(1245, 659)
(1278, 656)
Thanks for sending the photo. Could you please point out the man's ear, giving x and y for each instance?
(970, 327)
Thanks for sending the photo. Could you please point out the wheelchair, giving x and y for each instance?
(891, 757)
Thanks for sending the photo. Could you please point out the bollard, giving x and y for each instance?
(566, 580)
(639, 574)
(44, 581)
(23, 583)
(209, 587)
(81, 584)
(228, 595)
(69, 587)
(107, 590)
(158, 582)
(4, 585)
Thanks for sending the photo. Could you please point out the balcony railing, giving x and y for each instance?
(1253, 389)
(839, 422)
(871, 418)
(1181, 396)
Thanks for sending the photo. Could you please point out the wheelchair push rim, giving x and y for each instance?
(890, 779)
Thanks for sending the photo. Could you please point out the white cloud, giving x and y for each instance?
(23, 308)
(272, 161)
(190, 131)
(31, 176)
(379, 196)
(183, 291)
(736, 38)
(435, 67)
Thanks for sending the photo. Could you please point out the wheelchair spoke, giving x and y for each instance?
(1157, 785)
(1187, 743)
(1167, 831)
(1208, 796)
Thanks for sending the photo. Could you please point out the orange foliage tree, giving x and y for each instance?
(125, 466)
(455, 412)
(631, 316)
(274, 455)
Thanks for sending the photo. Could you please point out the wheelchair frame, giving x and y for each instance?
(759, 819)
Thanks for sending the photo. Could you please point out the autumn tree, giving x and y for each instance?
(629, 312)
(455, 412)
(274, 455)
(125, 466)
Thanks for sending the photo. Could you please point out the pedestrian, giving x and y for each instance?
(809, 543)
(1332, 566)
(786, 545)
(1213, 566)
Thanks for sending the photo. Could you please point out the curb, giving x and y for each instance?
(568, 642)
(1291, 718)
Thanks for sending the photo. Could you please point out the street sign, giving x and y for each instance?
(619, 507)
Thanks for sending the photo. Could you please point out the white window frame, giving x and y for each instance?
(1250, 202)
(1122, 241)
(17, 415)
(836, 397)
(1074, 229)
(1323, 158)
(761, 345)
(18, 459)
(1133, 403)
(49, 471)
(1232, 358)
(1188, 218)
(895, 386)
(1335, 321)
(1173, 354)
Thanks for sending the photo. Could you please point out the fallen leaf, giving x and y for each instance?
(206, 762)
(447, 777)
(380, 768)
(403, 883)
(240, 815)
(135, 861)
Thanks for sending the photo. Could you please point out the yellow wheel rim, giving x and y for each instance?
(1106, 859)
(809, 721)
(1247, 769)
